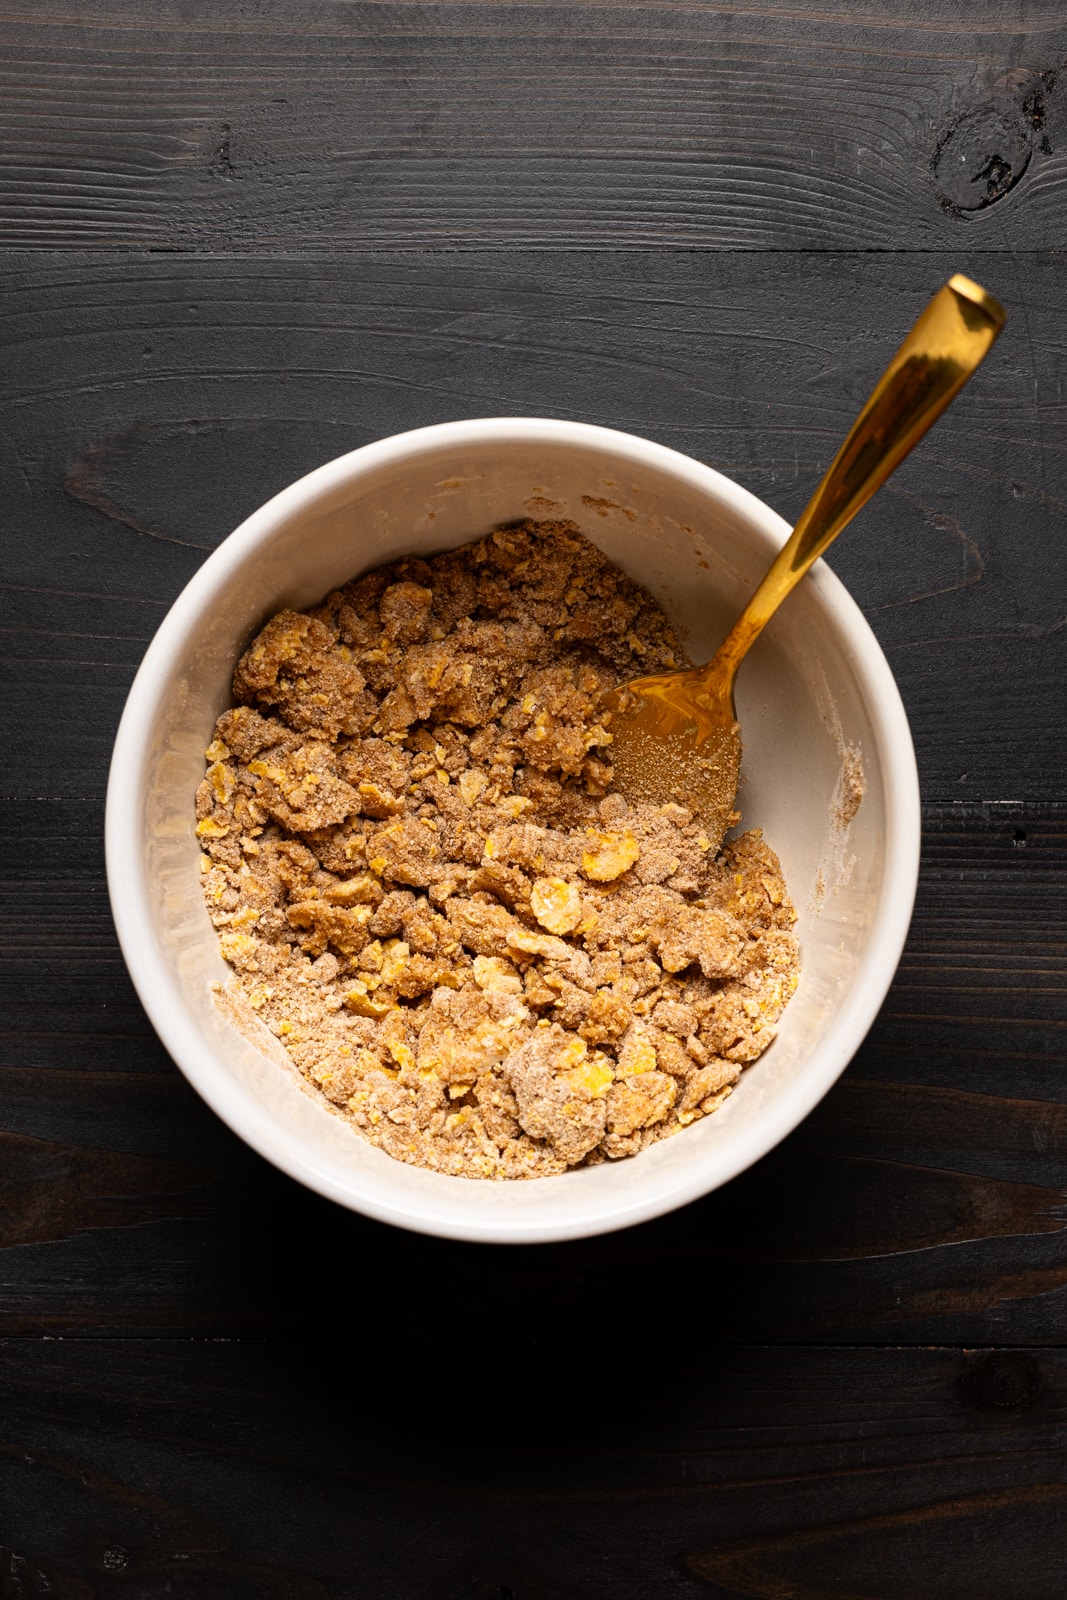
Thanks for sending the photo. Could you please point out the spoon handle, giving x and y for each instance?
(946, 345)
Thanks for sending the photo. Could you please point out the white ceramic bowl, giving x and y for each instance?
(815, 684)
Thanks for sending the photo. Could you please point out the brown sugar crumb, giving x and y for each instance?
(487, 961)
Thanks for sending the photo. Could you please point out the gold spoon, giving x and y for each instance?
(675, 736)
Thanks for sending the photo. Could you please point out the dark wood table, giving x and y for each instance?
(242, 237)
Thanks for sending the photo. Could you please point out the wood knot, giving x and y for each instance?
(1002, 1381)
(986, 150)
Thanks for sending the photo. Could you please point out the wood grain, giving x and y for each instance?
(298, 1472)
(150, 403)
(239, 239)
(325, 125)
(922, 1202)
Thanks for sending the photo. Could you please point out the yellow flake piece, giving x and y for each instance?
(361, 890)
(574, 1051)
(245, 918)
(594, 1076)
(401, 1054)
(537, 944)
(557, 905)
(262, 770)
(676, 813)
(609, 855)
(638, 1054)
(208, 828)
(358, 1000)
(236, 946)
(493, 973)
(395, 954)
(372, 795)
(216, 751)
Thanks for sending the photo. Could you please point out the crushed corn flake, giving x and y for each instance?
(484, 958)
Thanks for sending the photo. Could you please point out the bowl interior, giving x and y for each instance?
(814, 687)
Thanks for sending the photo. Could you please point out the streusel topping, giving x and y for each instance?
(489, 962)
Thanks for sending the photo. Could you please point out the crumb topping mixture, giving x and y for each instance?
(487, 961)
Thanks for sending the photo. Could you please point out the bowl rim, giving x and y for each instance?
(155, 981)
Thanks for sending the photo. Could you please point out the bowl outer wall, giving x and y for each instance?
(155, 981)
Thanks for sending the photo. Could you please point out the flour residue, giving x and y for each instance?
(837, 863)
(851, 788)
(231, 1003)
(603, 507)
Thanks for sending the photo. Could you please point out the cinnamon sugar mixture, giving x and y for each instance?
(487, 961)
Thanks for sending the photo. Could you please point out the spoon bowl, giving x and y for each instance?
(675, 736)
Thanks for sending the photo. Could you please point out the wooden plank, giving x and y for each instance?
(318, 124)
(150, 403)
(311, 1471)
(701, 1405)
(923, 1201)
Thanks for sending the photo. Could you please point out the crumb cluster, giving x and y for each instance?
(490, 963)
